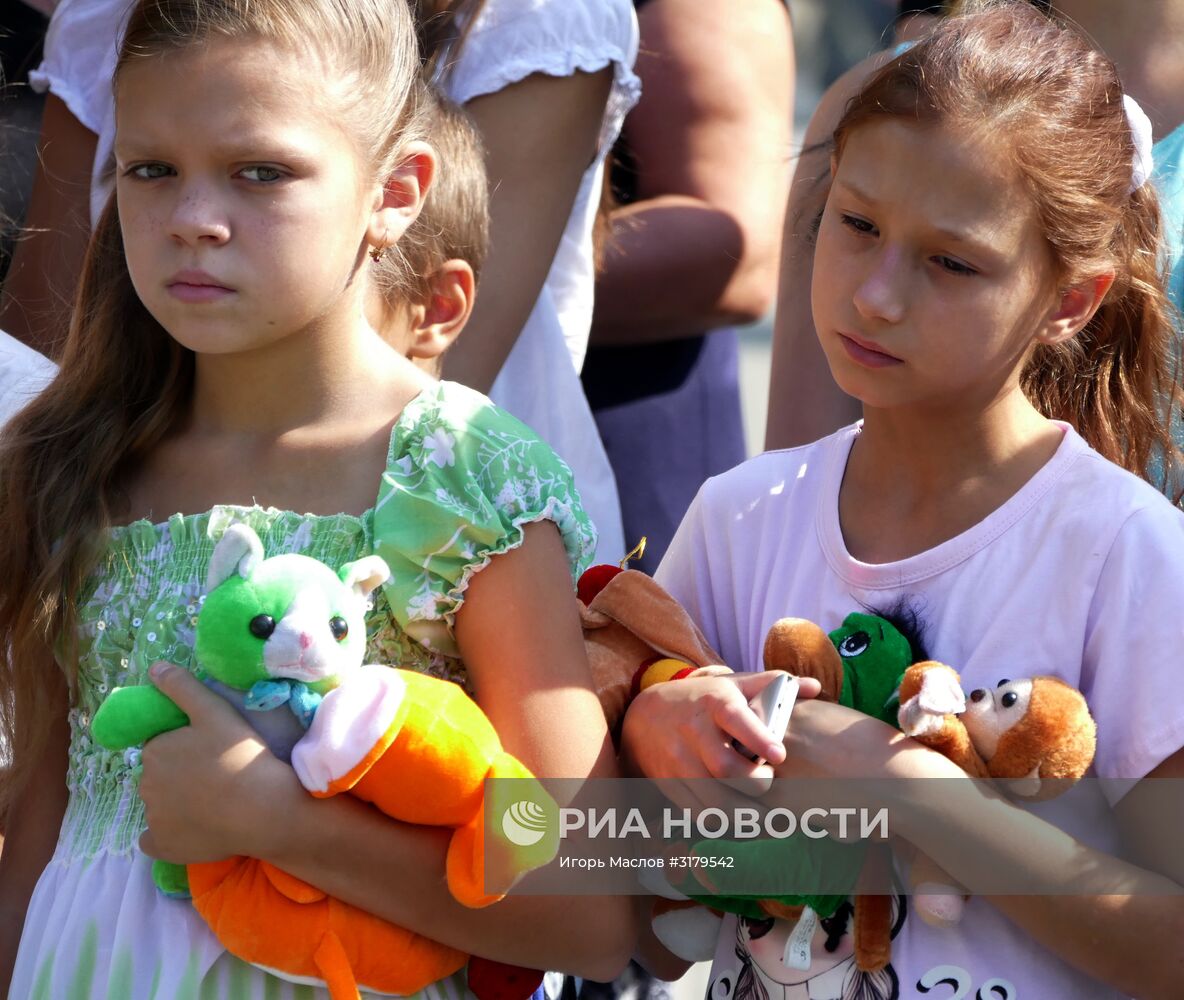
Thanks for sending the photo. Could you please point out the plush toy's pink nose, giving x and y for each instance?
(305, 640)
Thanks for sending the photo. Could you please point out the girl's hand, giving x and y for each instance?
(680, 732)
(210, 789)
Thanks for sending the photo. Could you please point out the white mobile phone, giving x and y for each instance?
(773, 707)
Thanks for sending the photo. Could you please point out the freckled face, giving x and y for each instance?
(931, 273)
(242, 201)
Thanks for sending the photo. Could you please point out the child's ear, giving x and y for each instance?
(1074, 309)
(401, 197)
(439, 321)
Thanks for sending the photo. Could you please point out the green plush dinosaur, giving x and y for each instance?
(860, 665)
(875, 655)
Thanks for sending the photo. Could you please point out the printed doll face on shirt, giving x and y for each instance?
(766, 942)
(932, 277)
(243, 201)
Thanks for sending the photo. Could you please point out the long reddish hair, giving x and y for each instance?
(1007, 69)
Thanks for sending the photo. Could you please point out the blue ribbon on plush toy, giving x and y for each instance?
(267, 695)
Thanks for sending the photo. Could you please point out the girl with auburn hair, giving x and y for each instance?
(804, 401)
(985, 272)
(219, 366)
(1114, 381)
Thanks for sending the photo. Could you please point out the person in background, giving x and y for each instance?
(692, 252)
(547, 83)
(445, 247)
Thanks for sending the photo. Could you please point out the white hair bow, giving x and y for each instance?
(1140, 126)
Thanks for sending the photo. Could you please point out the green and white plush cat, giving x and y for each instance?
(305, 630)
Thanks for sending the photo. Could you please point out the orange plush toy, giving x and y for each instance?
(428, 766)
(1035, 735)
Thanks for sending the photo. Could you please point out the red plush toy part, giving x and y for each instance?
(492, 980)
(594, 580)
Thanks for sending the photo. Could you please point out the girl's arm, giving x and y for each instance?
(805, 404)
(211, 790)
(678, 734)
(540, 136)
(1123, 924)
(31, 832)
(710, 138)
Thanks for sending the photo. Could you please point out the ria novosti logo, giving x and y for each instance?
(524, 823)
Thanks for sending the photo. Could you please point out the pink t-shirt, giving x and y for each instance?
(1079, 575)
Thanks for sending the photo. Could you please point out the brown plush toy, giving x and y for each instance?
(636, 635)
(1035, 735)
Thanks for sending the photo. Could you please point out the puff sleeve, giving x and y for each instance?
(513, 39)
(462, 479)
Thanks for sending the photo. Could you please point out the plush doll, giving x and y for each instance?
(1036, 736)
(283, 638)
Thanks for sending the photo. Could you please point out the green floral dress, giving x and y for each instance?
(462, 478)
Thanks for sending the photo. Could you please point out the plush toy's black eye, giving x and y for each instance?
(1009, 699)
(854, 644)
(262, 626)
(339, 627)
